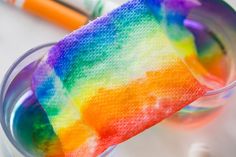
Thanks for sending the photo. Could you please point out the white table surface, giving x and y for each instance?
(20, 31)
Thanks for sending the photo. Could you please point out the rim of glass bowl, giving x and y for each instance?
(34, 50)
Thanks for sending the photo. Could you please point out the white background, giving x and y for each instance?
(20, 31)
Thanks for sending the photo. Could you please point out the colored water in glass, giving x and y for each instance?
(30, 125)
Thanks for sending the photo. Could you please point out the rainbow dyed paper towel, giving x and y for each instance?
(120, 75)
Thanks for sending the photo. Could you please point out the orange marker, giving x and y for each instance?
(54, 12)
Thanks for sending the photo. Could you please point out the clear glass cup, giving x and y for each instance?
(217, 26)
(16, 94)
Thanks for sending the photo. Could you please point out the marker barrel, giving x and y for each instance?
(54, 12)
